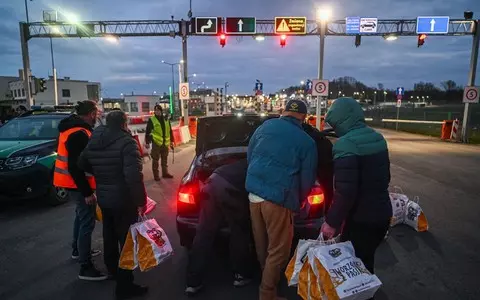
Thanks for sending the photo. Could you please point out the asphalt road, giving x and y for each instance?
(440, 264)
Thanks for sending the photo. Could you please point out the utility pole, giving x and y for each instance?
(471, 78)
(24, 36)
(226, 96)
(54, 71)
(184, 26)
(26, 10)
(323, 25)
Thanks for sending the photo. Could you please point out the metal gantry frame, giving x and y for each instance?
(182, 28)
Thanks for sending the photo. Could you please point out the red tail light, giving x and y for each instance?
(187, 193)
(316, 196)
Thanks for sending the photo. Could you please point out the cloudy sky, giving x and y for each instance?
(134, 64)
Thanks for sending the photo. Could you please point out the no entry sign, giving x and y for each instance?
(320, 88)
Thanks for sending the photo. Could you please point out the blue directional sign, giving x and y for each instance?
(308, 86)
(432, 25)
(258, 86)
(400, 91)
(352, 25)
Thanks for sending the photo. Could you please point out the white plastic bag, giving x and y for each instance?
(341, 274)
(414, 216)
(399, 205)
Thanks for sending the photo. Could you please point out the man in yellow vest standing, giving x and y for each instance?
(75, 132)
(159, 133)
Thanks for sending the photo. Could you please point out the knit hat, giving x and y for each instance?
(297, 106)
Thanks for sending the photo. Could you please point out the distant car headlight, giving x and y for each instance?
(20, 162)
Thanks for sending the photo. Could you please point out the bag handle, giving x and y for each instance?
(331, 241)
(142, 218)
(416, 199)
(398, 190)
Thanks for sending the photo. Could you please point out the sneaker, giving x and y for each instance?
(193, 290)
(156, 178)
(90, 273)
(169, 176)
(130, 291)
(93, 253)
(241, 281)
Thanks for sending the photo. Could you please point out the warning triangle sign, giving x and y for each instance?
(283, 27)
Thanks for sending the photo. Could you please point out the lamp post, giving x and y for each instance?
(323, 14)
(172, 65)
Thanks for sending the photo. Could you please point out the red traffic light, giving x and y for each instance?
(421, 39)
(283, 40)
(223, 40)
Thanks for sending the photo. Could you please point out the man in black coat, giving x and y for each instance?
(113, 157)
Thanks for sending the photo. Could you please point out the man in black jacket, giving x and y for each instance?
(112, 155)
(223, 198)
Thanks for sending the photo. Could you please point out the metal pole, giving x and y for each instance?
(26, 10)
(54, 71)
(471, 78)
(226, 97)
(24, 35)
(185, 75)
(320, 70)
(173, 89)
(398, 116)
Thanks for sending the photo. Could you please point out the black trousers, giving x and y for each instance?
(365, 238)
(222, 203)
(116, 224)
(159, 153)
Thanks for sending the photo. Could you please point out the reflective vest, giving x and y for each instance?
(61, 176)
(158, 134)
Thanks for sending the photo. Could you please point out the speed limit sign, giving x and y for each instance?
(320, 87)
(471, 94)
(184, 91)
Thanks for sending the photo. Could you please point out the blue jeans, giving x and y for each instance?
(82, 227)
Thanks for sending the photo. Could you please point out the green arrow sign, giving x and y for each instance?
(241, 25)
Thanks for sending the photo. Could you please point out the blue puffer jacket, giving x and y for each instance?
(361, 168)
(282, 161)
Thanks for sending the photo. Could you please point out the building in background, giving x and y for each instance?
(69, 91)
(6, 97)
(204, 102)
(138, 105)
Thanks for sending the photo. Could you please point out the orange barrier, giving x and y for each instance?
(446, 129)
(140, 148)
(177, 137)
(312, 120)
(181, 122)
(192, 126)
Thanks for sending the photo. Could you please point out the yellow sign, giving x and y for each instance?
(290, 25)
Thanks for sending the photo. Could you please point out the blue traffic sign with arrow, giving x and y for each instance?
(432, 25)
(400, 91)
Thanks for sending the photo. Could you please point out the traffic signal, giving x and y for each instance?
(223, 40)
(283, 40)
(358, 40)
(421, 39)
(40, 85)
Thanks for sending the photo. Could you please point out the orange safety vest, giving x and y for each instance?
(61, 176)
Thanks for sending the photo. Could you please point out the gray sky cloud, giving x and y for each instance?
(135, 63)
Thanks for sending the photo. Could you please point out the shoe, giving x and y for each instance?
(93, 253)
(156, 178)
(169, 176)
(241, 281)
(130, 291)
(193, 290)
(90, 273)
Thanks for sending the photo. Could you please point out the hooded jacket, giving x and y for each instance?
(75, 144)
(113, 157)
(282, 163)
(361, 168)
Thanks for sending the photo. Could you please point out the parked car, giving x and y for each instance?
(28, 146)
(228, 137)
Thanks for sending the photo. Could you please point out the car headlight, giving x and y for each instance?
(20, 162)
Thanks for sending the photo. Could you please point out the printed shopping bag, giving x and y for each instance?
(150, 205)
(415, 217)
(98, 214)
(399, 205)
(341, 274)
(308, 284)
(150, 246)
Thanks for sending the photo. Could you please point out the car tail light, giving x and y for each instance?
(187, 193)
(316, 196)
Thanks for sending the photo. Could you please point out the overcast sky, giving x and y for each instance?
(134, 64)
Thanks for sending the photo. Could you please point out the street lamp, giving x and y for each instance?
(323, 14)
(71, 18)
(112, 38)
(302, 82)
(172, 65)
(390, 37)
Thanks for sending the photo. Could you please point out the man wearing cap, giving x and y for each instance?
(282, 161)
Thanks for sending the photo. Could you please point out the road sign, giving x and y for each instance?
(368, 25)
(258, 86)
(184, 91)
(206, 25)
(471, 94)
(290, 25)
(399, 103)
(308, 87)
(432, 25)
(400, 91)
(352, 25)
(320, 88)
(243, 25)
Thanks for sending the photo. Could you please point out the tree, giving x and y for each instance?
(449, 85)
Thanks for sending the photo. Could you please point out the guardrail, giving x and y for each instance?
(406, 121)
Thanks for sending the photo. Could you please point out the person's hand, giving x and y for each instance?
(327, 231)
(172, 145)
(141, 210)
(91, 200)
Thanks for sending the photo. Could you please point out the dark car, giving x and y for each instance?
(28, 146)
(219, 140)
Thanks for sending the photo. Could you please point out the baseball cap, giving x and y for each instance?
(297, 106)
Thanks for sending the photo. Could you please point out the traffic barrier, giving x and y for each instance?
(140, 147)
(135, 120)
(455, 125)
(185, 134)
(312, 120)
(192, 126)
(177, 137)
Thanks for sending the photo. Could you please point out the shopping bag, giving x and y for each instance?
(415, 217)
(146, 246)
(399, 205)
(341, 274)
(150, 205)
(309, 287)
(98, 214)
